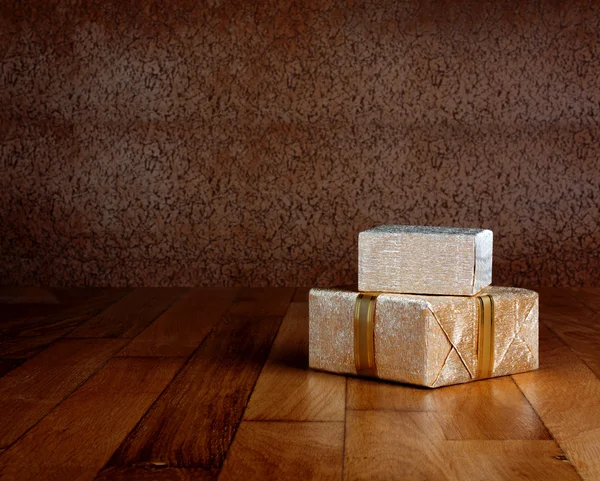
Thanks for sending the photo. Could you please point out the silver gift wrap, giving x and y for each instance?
(425, 260)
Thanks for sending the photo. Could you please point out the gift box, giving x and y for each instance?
(424, 340)
(425, 260)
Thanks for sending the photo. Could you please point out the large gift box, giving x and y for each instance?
(422, 339)
(425, 260)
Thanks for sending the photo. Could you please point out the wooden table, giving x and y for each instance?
(176, 383)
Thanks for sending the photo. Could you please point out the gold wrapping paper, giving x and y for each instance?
(425, 260)
(426, 340)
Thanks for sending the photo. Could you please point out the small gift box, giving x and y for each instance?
(426, 340)
(425, 260)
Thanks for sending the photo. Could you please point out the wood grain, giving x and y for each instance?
(75, 295)
(7, 365)
(588, 296)
(574, 322)
(393, 445)
(570, 314)
(184, 326)
(488, 410)
(18, 318)
(26, 295)
(582, 338)
(31, 391)
(581, 334)
(561, 305)
(491, 409)
(262, 301)
(193, 423)
(128, 317)
(301, 294)
(282, 450)
(156, 473)
(27, 346)
(26, 329)
(72, 309)
(566, 395)
(508, 460)
(286, 388)
(411, 445)
(76, 438)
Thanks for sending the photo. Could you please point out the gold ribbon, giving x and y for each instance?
(485, 347)
(364, 344)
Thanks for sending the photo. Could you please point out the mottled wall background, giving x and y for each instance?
(236, 142)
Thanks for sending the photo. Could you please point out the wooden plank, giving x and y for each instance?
(16, 317)
(301, 294)
(128, 317)
(579, 329)
(27, 329)
(566, 395)
(393, 445)
(156, 473)
(573, 322)
(286, 388)
(29, 392)
(78, 436)
(508, 460)
(184, 326)
(583, 339)
(26, 295)
(588, 296)
(193, 423)
(365, 394)
(7, 365)
(490, 409)
(75, 295)
(262, 301)
(39, 319)
(561, 304)
(28, 346)
(556, 296)
(412, 445)
(286, 450)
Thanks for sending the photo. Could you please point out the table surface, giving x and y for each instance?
(175, 383)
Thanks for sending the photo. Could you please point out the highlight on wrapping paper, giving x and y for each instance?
(364, 337)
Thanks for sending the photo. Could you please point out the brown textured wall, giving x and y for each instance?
(239, 142)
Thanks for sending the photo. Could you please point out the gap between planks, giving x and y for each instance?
(65, 443)
(127, 317)
(36, 327)
(31, 391)
(184, 325)
(566, 395)
(214, 406)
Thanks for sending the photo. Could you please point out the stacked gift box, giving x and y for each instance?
(425, 312)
